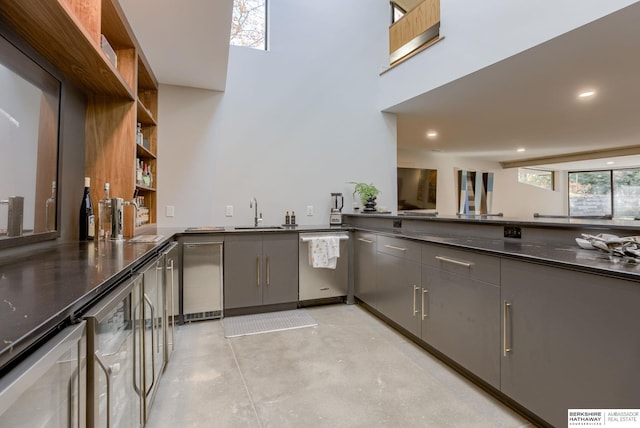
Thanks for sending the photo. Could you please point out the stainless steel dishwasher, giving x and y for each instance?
(202, 280)
(320, 284)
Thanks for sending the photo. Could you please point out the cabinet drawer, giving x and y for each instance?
(480, 267)
(399, 247)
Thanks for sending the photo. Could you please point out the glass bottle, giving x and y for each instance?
(104, 214)
(51, 209)
(87, 221)
(138, 171)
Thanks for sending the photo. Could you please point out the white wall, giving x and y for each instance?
(513, 199)
(294, 124)
(478, 34)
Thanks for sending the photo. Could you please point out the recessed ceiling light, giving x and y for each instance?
(521, 149)
(610, 163)
(586, 94)
(432, 134)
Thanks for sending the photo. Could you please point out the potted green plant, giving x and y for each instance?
(368, 194)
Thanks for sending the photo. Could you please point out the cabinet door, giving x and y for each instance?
(243, 276)
(365, 265)
(571, 340)
(280, 272)
(462, 320)
(398, 290)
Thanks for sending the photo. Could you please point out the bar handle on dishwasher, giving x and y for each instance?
(455, 262)
(366, 241)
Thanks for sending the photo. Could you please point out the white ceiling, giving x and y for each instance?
(186, 42)
(529, 100)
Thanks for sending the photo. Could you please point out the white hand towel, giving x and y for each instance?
(324, 252)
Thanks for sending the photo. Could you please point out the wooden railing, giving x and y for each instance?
(418, 27)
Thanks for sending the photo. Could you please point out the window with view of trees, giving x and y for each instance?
(249, 24)
(536, 177)
(605, 193)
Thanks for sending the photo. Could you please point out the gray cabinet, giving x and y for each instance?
(365, 267)
(569, 340)
(398, 281)
(260, 269)
(460, 311)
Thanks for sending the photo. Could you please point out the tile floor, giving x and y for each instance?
(351, 370)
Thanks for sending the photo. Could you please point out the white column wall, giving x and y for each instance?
(478, 34)
(294, 124)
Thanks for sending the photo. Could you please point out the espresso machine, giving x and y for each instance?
(335, 216)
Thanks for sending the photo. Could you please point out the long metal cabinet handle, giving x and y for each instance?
(268, 271)
(415, 311)
(424, 291)
(173, 332)
(455, 262)
(258, 270)
(107, 372)
(153, 344)
(74, 390)
(505, 312)
(366, 241)
(393, 247)
(134, 327)
(159, 268)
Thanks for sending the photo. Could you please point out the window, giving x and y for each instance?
(536, 177)
(590, 193)
(626, 193)
(249, 24)
(605, 193)
(397, 12)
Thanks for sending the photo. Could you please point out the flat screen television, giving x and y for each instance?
(417, 189)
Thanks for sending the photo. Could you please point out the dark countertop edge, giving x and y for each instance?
(598, 270)
(70, 314)
(539, 222)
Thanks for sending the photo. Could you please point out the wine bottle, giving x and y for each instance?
(51, 209)
(104, 214)
(87, 220)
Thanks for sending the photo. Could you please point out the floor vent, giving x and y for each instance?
(202, 316)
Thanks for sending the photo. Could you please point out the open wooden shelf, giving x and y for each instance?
(55, 31)
(144, 153)
(144, 115)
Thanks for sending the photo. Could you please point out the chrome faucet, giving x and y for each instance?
(253, 203)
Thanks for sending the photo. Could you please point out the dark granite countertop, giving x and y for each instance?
(566, 256)
(45, 290)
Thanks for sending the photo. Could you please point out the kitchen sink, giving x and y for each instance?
(258, 227)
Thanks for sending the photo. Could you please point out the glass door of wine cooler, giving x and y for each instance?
(114, 372)
(154, 316)
(48, 388)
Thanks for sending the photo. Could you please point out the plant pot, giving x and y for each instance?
(370, 205)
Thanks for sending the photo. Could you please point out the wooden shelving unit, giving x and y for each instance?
(68, 34)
